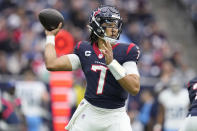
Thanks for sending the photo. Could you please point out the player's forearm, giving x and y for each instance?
(50, 56)
(160, 117)
(130, 83)
(128, 78)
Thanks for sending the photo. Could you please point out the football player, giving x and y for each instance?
(191, 119)
(110, 70)
(173, 106)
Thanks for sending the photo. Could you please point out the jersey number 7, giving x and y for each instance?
(101, 81)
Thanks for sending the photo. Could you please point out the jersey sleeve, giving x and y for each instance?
(191, 83)
(74, 58)
(132, 53)
(77, 48)
(131, 68)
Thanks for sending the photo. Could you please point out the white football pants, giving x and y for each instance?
(190, 124)
(90, 118)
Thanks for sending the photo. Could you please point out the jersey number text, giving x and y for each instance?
(101, 81)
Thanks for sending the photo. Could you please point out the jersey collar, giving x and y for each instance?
(98, 52)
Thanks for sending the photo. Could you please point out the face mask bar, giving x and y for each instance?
(109, 22)
(116, 24)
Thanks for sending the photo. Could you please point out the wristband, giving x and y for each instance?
(50, 39)
(117, 70)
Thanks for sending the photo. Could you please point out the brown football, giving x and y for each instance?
(50, 18)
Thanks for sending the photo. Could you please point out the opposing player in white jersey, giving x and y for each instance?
(174, 105)
(110, 70)
(190, 123)
(32, 94)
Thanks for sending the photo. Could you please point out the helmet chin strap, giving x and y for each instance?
(112, 41)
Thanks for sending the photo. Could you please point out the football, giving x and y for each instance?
(50, 18)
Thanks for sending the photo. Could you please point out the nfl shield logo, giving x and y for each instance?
(100, 56)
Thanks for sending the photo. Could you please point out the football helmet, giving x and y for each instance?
(105, 14)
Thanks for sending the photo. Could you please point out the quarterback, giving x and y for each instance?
(110, 69)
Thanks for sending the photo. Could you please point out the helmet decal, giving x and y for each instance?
(95, 13)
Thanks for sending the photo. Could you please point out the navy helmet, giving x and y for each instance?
(105, 14)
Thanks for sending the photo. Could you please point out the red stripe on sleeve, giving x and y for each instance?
(130, 47)
(114, 46)
(79, 44)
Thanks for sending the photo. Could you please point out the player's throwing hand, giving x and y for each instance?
(55, 31)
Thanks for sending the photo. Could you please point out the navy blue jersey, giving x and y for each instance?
(103, 90)
(192, 89)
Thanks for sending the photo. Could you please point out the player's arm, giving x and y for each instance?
(159, 118)
(126, 75)
(131, 83)
(54, 63)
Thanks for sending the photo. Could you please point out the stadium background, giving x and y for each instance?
(165, 32)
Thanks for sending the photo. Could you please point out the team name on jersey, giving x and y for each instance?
(98, 62)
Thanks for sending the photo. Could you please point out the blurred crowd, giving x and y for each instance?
(191, 6)
(162, 68)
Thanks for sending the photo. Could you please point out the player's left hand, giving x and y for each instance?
(108, 52)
